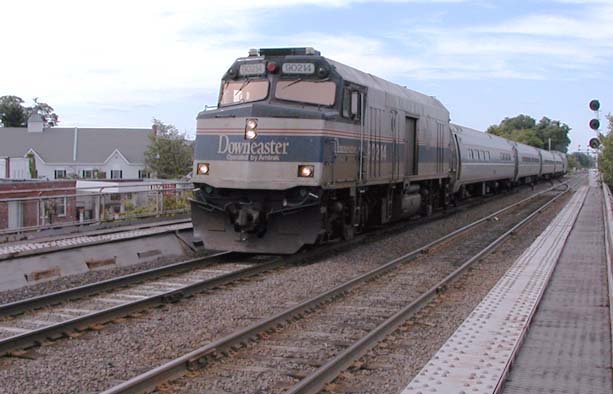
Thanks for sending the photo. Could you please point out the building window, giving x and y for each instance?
(88, 174)
(60, 174)
(142, 174)
(54, 207)
(116, 174)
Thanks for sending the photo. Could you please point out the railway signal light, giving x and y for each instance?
(594, 143)
(595, 122)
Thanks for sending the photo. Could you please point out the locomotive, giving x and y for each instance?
(302, 149)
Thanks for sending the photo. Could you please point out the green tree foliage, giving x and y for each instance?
(14, 113)
(169, 154)
(605, 159)
(46, 111)
(557, 131)
(32, 165)
(524, 129)
(582, 160)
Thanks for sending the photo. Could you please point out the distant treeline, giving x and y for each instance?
(525, 129)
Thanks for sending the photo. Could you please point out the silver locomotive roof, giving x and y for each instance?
(370, 81)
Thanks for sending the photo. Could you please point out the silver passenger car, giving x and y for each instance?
(482, 157)
(528, 162)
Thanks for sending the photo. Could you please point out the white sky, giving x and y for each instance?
(120, 63)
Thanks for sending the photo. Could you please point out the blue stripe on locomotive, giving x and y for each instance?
(294, 148)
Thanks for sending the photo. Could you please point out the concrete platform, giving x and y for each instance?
(511, 344)
(28, 270)
(568, 346)
(96, 237)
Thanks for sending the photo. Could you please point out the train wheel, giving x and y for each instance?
(348, 232)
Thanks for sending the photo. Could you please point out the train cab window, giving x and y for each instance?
(243, 91)
(307, 91)
(356, 105)
(352, 104)
(347, 103)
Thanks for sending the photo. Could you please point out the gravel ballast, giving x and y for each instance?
(274, 364)
(390, 366)
(98, 360)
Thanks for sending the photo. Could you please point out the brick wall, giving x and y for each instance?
(30, 208)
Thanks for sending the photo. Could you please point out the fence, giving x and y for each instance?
(40, 209)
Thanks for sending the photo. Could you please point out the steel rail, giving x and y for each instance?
(35, 337)
(315, 382)
(81, 323)
(216, 349)
(19, 307)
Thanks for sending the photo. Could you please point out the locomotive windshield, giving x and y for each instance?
(243, 91)
(310, 92)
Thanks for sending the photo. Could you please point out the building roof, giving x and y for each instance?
(93, 145)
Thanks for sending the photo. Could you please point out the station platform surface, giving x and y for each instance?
(49, 244)
(546, 325)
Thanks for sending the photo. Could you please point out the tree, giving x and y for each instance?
(520, 122)
(32, 165)
(525, 136)
(46, 111)
(572, 162)
(605, 159)
(169, 154)
(526, 130)
(557, 131)
(12, 112)
(582, 160)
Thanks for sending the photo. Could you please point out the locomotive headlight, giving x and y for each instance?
(305, 171)
(203, 169)
(250, 129)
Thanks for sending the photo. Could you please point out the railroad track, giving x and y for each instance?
(302, 348)
(31, 322)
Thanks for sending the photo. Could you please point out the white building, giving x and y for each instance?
(87, 153)
(15, 168)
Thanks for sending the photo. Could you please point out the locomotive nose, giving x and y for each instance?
(247, 219)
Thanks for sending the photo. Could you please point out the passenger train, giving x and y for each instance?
(302, 149)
